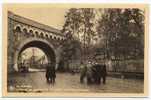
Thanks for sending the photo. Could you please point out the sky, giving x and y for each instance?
(53, 17)
(32, 51)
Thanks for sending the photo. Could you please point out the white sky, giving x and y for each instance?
(49, 16)
(27, 53)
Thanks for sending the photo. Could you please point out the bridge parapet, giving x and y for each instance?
(33, 28)
(21, 29)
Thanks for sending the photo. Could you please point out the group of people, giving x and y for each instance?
(23, 67)
(93, 73)
(50, 73)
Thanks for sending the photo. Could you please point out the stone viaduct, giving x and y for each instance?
(24, 33)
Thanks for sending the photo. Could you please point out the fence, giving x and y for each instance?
(136, 66)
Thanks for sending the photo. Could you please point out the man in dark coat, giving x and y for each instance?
(103, 73)
(53, 74)
(50, 73)
(99, 72)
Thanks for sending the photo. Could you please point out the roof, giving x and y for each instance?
(33, 23)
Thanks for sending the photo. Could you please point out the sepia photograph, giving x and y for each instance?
(79, 50)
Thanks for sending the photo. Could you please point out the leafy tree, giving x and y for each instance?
(123, 30)
(80, 24)
(70, 48)
(72, 22)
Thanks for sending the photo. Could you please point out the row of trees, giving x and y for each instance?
(123, 30)
(119, 31)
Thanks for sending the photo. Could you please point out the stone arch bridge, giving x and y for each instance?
(24, 33)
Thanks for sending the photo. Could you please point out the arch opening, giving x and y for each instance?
(33, 58)
(25, 31)
(18, 29)
(42, 45)
(37, 35)
(41, 35)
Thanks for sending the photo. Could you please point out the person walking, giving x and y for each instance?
(104, 73)
(89, 73)
(48, 73)
(53, 70)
